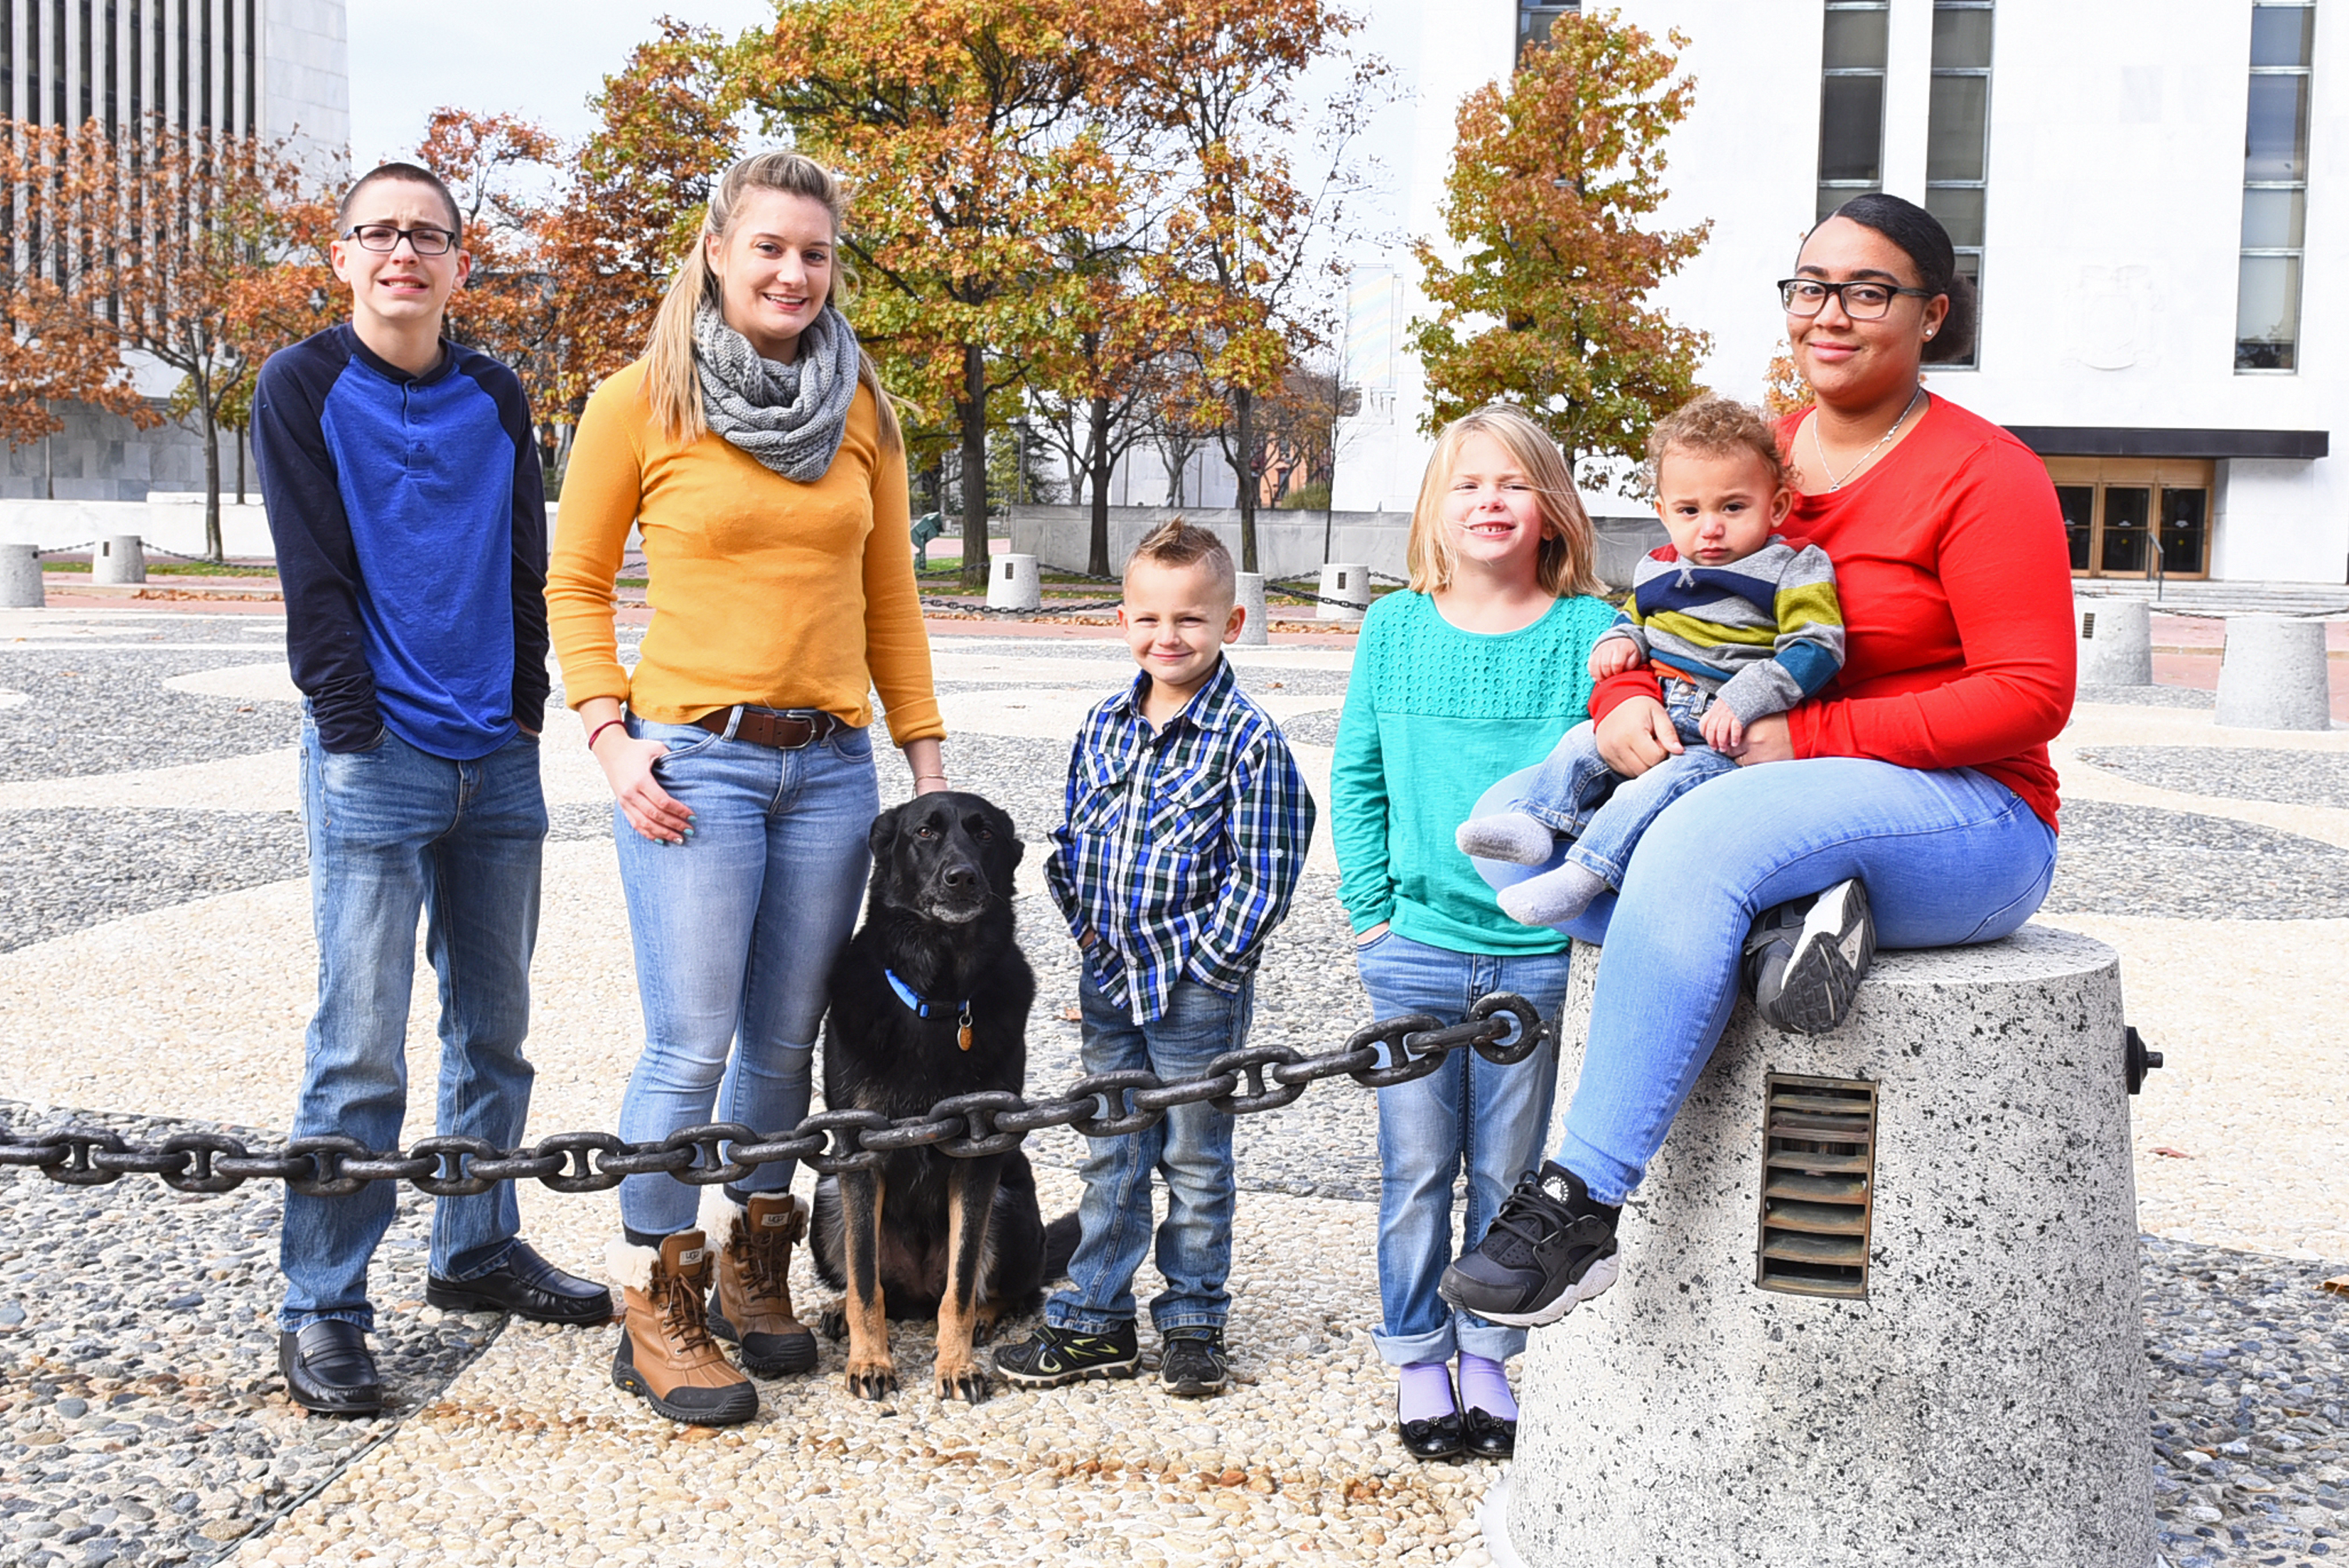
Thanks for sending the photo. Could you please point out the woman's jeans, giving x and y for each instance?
(395, 832)
(1949, 857)
(1576, 796)
(1468, 1114)
(736, 930)
(1191, 1149)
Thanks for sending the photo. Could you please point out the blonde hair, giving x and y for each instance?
(1717, 426)
(1176, 542)
(1564, 562)
(671, 381)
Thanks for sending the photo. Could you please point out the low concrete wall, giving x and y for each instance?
(174, 525)
(1288, 543)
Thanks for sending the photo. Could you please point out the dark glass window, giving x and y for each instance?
(2269, 282)
(1851, 101)
(2078, 505)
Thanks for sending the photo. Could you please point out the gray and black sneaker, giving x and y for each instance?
(1052, 1357)
(1193, 1364)
(1549, 1250)
(1804, 964)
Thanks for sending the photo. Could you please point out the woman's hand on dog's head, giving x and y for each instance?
(651, 811)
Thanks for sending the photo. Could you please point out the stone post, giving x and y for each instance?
(1013, 584)
(119, 559)
(20, 578)
(2116, 642)
(2275, 674)
(1247, 589)
(1345, 590)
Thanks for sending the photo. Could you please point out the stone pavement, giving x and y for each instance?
(155, 957)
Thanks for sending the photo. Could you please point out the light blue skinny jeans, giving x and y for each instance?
(1949, 857)
(736, 930)
(1468, 1115)
(1576, 796)
(395, 832)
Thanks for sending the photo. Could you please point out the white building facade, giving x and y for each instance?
(2154, 194)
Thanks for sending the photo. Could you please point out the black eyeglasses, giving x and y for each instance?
(426, 240)
(1860, 301)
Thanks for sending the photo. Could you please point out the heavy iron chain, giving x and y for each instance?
(1502, 1028)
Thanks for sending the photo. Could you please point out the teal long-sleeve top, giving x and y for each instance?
(1433, 717)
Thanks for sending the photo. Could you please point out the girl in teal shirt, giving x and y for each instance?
(1471, 676)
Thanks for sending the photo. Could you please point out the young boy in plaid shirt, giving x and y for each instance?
(1186, 827)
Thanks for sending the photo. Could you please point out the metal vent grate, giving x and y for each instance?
(2088, 626)
(1818, 1185)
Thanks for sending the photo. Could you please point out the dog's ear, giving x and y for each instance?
(883, 833)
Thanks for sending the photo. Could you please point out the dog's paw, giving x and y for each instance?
(833, 1323)
(872, 1377)
(965, 1381)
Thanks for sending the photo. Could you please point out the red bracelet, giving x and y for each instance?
(594, 733)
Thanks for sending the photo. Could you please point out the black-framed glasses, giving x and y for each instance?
(426, 240)
(1861, 301)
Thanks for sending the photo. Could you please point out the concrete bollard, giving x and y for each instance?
(2275, 674)
(1883, 1311)
(1013, 584)
(2116, 642)
(121, 559)
(1247, 589)
(1349, 583)
(20, 578)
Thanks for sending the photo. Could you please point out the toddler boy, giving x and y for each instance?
(1186, 827)
(1736, 622)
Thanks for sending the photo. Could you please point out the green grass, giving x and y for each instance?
(175, 569)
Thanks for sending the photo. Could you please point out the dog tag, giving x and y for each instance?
(962, 1033)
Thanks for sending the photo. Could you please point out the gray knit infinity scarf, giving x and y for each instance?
(789, 417)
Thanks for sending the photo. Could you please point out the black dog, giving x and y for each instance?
(930, 1000)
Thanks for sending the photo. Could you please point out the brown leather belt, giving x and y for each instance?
(783, 731)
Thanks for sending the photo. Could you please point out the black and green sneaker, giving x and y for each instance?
(1193, 1364)
(1052, 1357)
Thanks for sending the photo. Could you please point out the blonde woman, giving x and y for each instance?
(1472, 675)
(754, 450)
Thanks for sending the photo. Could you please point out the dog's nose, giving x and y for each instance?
(961, 878)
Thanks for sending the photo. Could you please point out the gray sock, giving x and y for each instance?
(1553, 897)
(1511, 836)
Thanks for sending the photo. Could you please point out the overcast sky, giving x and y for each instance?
(542, 58)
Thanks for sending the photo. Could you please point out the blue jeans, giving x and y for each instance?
(1949, 857)
(395, 832)
(736, 930)
(1469, 1114)
(1576, 796)
(1191, 1149)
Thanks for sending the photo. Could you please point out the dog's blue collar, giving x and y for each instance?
(911, 998)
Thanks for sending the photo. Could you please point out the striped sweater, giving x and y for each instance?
(1762, 633)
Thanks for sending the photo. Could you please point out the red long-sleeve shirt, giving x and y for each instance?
(1956, 583)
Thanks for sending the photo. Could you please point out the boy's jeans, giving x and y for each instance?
(1576, 795)
(394, 831)
(1191, 1148)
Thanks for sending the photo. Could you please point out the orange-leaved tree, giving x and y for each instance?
(1252, 241)
(1553, 182)
(498, 167)
(974, 133)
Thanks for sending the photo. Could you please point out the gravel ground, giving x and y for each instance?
(107, 711)
(70, 868)
(2143, 861)
(2287, 777)
(141, 1416)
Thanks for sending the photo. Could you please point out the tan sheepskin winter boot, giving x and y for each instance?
(753, 1308)
(665, 1355)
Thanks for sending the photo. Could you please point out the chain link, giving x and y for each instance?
(1502, 1028)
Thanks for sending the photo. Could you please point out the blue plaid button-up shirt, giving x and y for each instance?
(1179, 849)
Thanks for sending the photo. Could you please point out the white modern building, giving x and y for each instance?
(279, 69)
(2154, 194)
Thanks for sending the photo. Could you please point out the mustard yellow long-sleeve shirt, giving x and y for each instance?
(764, 591)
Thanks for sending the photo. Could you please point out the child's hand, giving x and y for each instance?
(1612, 656)
(1724, 731)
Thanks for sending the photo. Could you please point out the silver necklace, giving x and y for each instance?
(1836, 484)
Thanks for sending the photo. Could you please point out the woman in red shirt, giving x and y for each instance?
(1916, 789)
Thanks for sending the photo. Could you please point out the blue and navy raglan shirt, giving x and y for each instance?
(410, 525)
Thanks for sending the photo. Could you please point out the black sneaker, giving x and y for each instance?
(1549, 1250)
(1052, 1357)
(1803, 964)
(1193, 1364)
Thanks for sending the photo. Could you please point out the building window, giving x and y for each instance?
(2135, 517)
(1957, 131)
(1535, 18)
(2275, 188)
(1851, 102)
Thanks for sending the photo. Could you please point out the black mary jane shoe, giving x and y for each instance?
(327, 1368)
(1488, 1436)
(1439, 1438)
(528, 1286)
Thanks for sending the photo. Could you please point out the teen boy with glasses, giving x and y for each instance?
(402, 476)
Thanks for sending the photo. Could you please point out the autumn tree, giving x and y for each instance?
(1301, 435)
(498, 169)
(1253, 237)
(970, 132)
(1553, 185)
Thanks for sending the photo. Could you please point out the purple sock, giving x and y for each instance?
(1427, 1391)
(1483, 1386)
